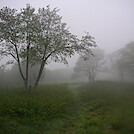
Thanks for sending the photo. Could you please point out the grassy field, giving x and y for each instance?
(98, 108)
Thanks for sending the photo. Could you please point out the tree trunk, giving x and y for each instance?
(44, 59)
(19, 65)
(27, 68)
(27, 56)
(39, 74)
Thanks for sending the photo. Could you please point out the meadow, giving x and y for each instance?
(98, 108)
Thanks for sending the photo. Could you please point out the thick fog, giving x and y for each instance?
(109, 21)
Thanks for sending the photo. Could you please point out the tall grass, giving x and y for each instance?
(97, 108)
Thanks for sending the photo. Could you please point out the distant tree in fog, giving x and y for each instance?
(38, 38)
(116, 62)
(123, 61)
(90, 65)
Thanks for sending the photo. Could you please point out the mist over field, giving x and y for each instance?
(66, 67)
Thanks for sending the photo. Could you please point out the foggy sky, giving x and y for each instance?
(111, 22)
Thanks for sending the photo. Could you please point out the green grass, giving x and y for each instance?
(98, 108)
(107, 107)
